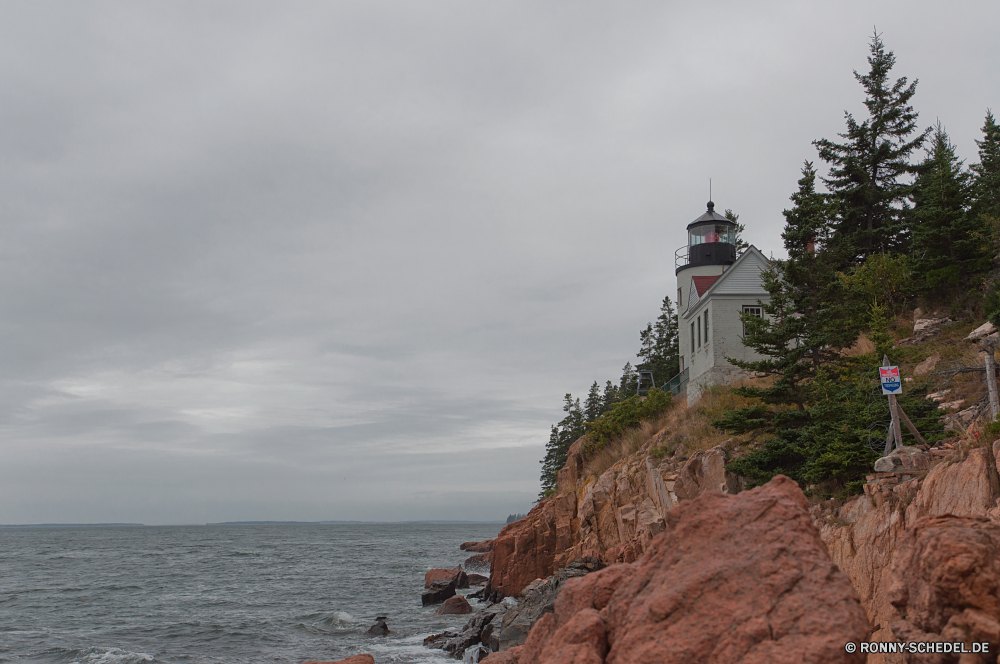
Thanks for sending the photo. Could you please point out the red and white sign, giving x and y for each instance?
(891, 384)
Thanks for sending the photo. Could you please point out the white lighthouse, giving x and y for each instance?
(714, 286)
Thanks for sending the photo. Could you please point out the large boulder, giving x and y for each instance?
(485, 546)
(438, 592)
(981, 332)
(733, 579)
(946, 584)
(455, 605)
(904, 459)
(438, 574)
(477, 630)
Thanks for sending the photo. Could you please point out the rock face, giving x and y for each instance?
(454, 605)
(438, 592)
(613, 517)
(863, 535)
(904, 459)
(924, 329)
(484, 546)
(435, 575)
(753, 599)
(477, 630)
(946, 583)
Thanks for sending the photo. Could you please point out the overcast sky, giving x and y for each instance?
(341, 260)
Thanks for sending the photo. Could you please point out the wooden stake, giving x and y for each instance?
(888, 443)
(909, 425)
(991, 383)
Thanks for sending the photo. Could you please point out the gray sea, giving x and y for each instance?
(190, 594)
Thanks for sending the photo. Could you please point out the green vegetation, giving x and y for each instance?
(625, 415)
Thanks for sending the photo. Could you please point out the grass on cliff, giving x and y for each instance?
(677, 431)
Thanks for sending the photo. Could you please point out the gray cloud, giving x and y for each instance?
(248, 251)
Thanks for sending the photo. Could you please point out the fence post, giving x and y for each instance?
(896, 432)
(991, 384)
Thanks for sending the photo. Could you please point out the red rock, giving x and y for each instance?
(484, 546)
(526, 550)
(478, 580)
(356, 659)
(455, 605)
(512, 656)
(461, 579)
(946, 582)
(733, 579)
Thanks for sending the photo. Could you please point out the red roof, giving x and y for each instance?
(702, 283)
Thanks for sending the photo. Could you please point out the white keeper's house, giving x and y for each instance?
(714, 286)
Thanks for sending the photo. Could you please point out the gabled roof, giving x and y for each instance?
(740, 278)
(703, 283)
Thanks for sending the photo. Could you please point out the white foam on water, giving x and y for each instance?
(97, 655)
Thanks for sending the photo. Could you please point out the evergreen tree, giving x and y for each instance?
(592, 405)
(627, 386)
(561, 437)
(658, 345)
(807, 320)
(986, 183)
(610, 397)
(868, 170)
(946, 247)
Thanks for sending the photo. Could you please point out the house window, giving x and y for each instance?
(706, 326)
(692, 337)
(753, 311)
(699, 331)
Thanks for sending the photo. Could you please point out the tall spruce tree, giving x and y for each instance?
(658, 345)
(592, 404)
(947, 250)
(561, 437)
(628, 384)
(869, 169)
(806, 322)
(986, 183)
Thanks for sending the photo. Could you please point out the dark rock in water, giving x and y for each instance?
(484, 546)
(439, 592)
(456, 605)
(461, 579)
(477, 579)
(471, 634)
(379, 628)
(478, 563)
(439, 640)
(538, 599)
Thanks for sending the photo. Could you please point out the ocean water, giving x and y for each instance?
(191, 594)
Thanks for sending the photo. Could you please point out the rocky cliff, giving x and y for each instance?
(612, 517)
(927, 533)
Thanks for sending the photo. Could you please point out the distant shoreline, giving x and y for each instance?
(232, 523)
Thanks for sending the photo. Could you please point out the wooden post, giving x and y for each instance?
(991, 384)
(888, 443)
(909, 424)
(896, 432)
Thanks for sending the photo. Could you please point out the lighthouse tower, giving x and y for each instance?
(714, 288)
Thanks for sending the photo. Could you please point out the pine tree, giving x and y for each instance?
(986, 183)
(592, 405)
(807, 320)
(627, 386)
(946, 247)
(658, 345)
(868, 170)
(562, 436)
(610, 397)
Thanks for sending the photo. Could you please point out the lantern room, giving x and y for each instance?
(711, 241)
